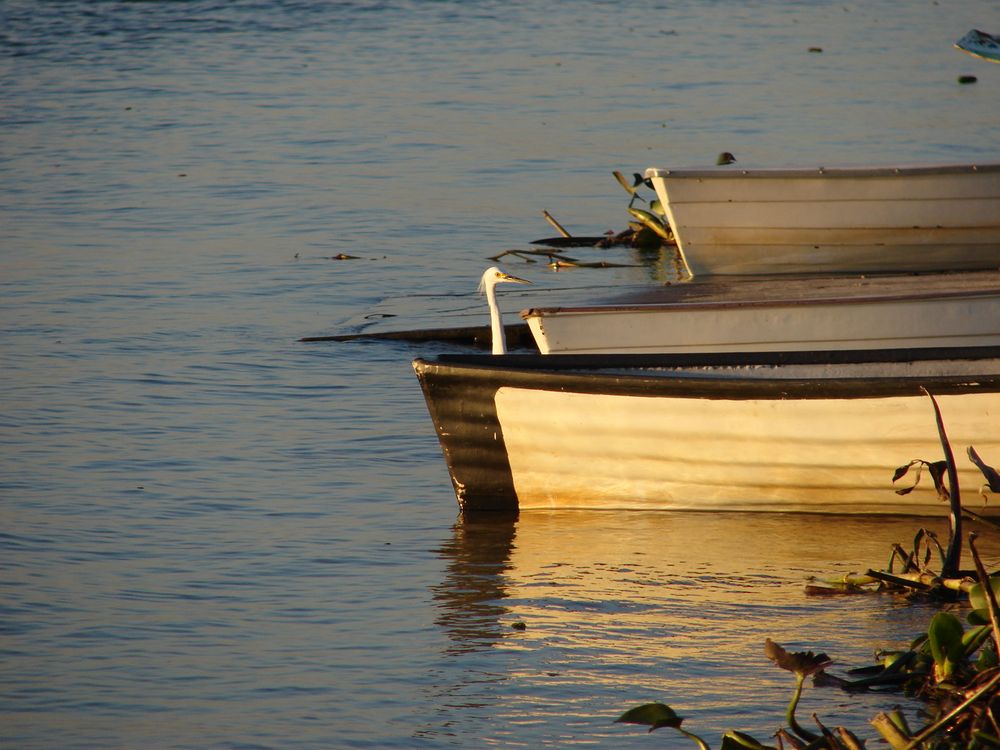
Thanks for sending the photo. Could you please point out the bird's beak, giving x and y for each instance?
(515, 279)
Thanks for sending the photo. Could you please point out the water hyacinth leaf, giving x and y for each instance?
(937, 469)
(652, 221)
(991, 474)
(789, 740)
(734, 740)
(977, 596)
(802, 663)
(945, 639)
(902, 471)
(979, 617)
(975, 637)
(646, 218)
(988, 659)
(653, 715)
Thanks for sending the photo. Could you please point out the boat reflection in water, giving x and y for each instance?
(623, 608)
(470, 601)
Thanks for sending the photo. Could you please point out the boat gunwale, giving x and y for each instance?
(837, 172)
(650, 374)
(681, 305)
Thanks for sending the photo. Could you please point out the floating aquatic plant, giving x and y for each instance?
(802, 664)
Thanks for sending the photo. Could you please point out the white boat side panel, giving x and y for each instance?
(900, 323)
(633, 452)
(859, 217)
(729, 222)
(712, 252)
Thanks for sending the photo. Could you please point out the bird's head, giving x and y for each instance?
(493, 276)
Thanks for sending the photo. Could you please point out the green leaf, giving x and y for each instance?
(987, 660)
(979, 617)
(945, 638)
(802, 663)
(734, 740)
(653, 715)
(974, 638)
(652, 221)
(977, 596)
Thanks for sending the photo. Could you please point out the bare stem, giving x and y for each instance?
(953, 557)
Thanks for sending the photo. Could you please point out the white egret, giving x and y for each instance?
(491, 277)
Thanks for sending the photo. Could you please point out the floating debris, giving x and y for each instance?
(557, 265)
(479, 337)
(570, 241)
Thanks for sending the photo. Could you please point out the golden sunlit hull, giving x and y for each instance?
(758, 433)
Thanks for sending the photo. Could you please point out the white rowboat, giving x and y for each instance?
(980, 44)
(809, 431)
(834, 312)
(731, 220)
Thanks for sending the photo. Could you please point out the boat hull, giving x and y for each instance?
(763, 221)
(980, 44)
(840, 313)
(802, 438)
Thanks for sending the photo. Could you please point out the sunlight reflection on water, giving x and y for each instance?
(674, 607)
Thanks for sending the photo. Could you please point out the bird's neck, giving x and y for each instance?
(496, 324)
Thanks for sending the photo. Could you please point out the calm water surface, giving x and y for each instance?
(214, 536)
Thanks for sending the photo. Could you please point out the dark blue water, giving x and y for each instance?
(215, 536)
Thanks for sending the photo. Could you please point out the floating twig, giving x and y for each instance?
(556, 224)
(539, 253)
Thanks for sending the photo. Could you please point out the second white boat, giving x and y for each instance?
(831, 313)
(733, 220)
